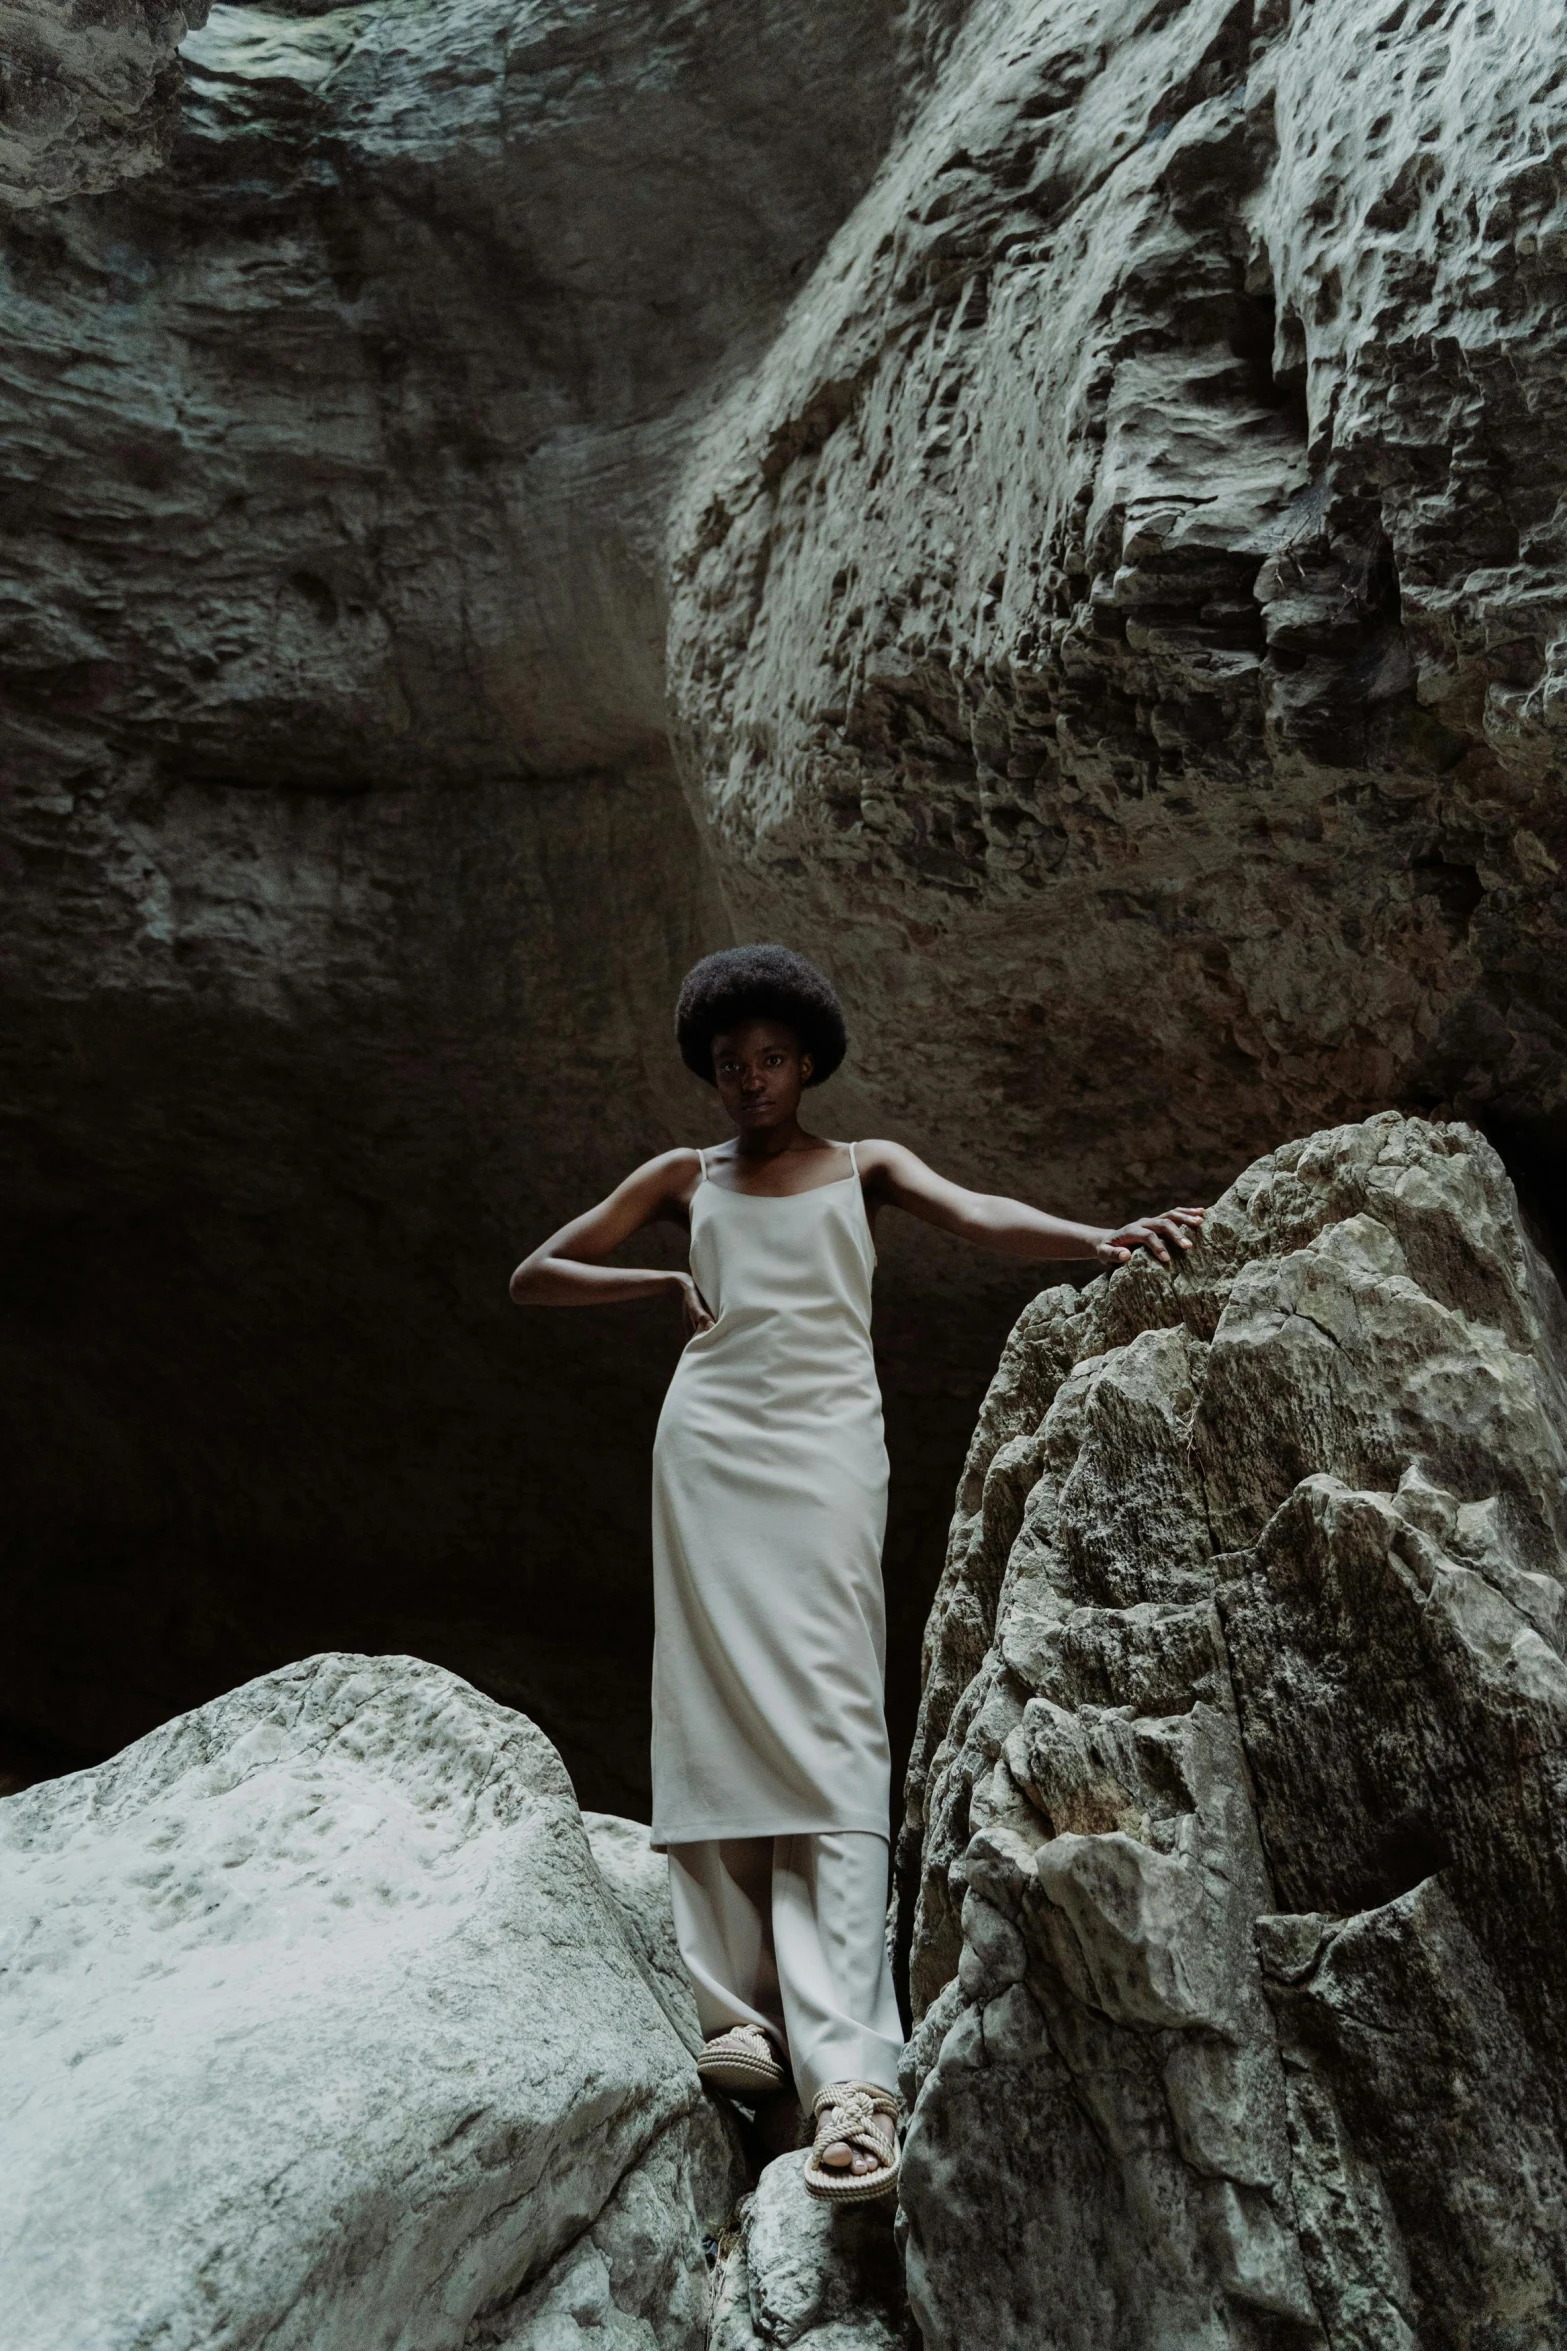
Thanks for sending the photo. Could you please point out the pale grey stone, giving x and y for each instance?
(1065, 636)
(638, 1882)
(803, 2272)
(1238, 1946)
(322, 2026)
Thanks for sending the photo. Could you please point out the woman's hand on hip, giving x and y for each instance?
(1177, 1227)
(693, 1308)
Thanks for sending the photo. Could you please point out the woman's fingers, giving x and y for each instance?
(697, 1317)
(1153, 1233)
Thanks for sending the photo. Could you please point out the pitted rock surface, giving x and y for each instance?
(90, 93)
(1119, 618)
(1236, 1834)
(320, 2019)
(801, 2272)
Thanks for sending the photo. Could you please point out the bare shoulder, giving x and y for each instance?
(887, 1165)
(875, 1154)
(669, 1174)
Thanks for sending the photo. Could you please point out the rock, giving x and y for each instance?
(89, 92)
(1236, 1834)
(638, 1883)
(799, 2272)
(1116, 620)
(323, 2027)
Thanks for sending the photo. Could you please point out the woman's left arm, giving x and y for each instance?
(898, 1177)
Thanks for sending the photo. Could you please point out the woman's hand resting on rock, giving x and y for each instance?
(1181, 1226)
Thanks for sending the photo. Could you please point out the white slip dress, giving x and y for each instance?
(769, 1508)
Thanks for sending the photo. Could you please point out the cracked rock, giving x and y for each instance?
(1238, 1819)
(800, 2272)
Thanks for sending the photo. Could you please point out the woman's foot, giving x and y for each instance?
(743, 2061)
(855, 2153)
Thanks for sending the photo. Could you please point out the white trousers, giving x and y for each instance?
(790, 1933)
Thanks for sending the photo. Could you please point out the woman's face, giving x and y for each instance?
(760, 1070)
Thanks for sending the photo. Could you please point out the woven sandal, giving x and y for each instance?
(844, 2114)
(742, 2060)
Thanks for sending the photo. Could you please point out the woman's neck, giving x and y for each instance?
(776, 1141)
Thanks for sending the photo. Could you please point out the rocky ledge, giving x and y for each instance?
(331, 2033)
(334, 2023)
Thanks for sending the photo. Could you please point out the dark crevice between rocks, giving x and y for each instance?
(1534, 1152)
(1275, 366)
(1404, 1852)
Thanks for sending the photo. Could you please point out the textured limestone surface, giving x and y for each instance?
(1237, 1837)
(89, 92)
(1121, 617)
(1048, 504)
(795, 2271)
(638, 1883)
(322, 2028)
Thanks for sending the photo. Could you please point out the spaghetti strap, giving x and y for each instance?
(853, 1162)
(702, 1163)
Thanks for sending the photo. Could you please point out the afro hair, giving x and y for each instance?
(759, 983)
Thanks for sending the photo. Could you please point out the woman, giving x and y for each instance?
(770, 1759)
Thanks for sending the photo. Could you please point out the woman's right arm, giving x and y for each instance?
(568, 1268)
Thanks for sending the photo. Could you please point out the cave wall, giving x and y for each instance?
(1121, 615)
(90, 93)
(1051, 510)
(348, 875)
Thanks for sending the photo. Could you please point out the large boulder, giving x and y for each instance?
(323, 2031)
(1237, 1837)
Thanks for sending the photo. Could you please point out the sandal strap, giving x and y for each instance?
(845, 2116)
(835, 2093)
(746, 2036)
